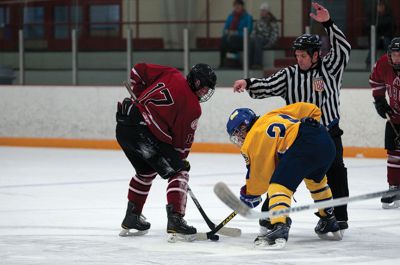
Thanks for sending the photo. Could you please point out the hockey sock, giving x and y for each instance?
(393, 168)
(177, 191)
(320, 191)
(280, 197)
(139, 188)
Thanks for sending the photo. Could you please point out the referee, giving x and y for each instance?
(315, 80)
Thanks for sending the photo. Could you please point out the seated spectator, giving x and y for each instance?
(264, 35)
(232, 38)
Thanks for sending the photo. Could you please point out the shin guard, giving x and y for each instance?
(280, 197)
(177, 192)
(139, 188)
(320, 191)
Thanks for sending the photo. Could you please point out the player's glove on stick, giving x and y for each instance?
(382, 107)
(250, 200)
(186, 165)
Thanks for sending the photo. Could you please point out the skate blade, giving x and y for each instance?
(393, 205)
(263, 244)
(175, 237)
(333, 236)
(132, 232)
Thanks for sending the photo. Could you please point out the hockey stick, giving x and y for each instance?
(397, 139)
(226, 231)
(212, 234)
(128, 87)
(226, 195)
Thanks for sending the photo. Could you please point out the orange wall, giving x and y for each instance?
(367, 152)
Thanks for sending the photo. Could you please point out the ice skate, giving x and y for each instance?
(134, 224)
(275, 236)
(328, 228)
(177, 228)
(391, 201)
(342, 226)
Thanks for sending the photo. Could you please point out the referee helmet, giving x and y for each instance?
(307, 42)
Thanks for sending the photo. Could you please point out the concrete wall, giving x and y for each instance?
(89, 113)
(109, 68)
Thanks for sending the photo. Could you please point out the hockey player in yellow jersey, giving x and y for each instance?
(281, 149)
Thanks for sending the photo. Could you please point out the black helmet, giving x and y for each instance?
(202, 75)
(394, 46)
(307, 42)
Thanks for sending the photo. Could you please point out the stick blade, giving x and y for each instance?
(226, 195)
(230, 231)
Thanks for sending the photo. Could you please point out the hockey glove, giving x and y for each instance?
(186, 165)
(123, 111)
(382, 107)
(250, 200)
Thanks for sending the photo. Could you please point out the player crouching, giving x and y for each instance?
(155, 129)
(281, 149)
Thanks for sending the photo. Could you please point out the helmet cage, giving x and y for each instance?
(206, 96)
(238, 135)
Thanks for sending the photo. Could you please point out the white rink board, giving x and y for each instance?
(88, 112)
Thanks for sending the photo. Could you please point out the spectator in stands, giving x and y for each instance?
(232, 38)
(264, 35)
(385, 29)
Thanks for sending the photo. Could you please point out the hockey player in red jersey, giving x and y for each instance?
(156, 131)
(385, 77)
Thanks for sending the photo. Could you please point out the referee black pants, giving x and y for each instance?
(337, 174)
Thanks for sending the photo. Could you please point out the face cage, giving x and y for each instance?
(207, 95)
(396, 66)
(238, 136)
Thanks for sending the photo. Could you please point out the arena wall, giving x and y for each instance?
(84, 117)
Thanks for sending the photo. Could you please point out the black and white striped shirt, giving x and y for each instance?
(319, 85)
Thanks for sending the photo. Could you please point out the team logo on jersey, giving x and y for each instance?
(194, 124)
(396, 81)
(318, 84)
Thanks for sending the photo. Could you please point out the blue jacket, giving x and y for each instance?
(246, 20)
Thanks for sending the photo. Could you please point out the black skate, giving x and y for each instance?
(134, 221)
(328, 228)
(391, 201)
(177, 228)
(276, 235)
(342, 226)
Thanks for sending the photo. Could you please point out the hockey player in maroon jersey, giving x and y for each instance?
(156, 131)
(385, 77)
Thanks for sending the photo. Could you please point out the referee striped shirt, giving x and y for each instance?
(319, 85)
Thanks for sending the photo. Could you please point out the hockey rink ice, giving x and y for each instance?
(65, 206)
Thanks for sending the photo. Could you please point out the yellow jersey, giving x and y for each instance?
(269, 137)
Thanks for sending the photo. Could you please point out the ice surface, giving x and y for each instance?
(65, 206)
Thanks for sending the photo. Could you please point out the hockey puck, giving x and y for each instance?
(214, 237)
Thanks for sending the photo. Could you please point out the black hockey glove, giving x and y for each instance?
(123, 111)
(186, 165)
(382, 107)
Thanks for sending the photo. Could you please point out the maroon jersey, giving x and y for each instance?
(169, 107)
(384, 78)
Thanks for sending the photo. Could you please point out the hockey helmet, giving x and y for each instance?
(307, 42)
(202, 75)
(394, 46)
(239, 123)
